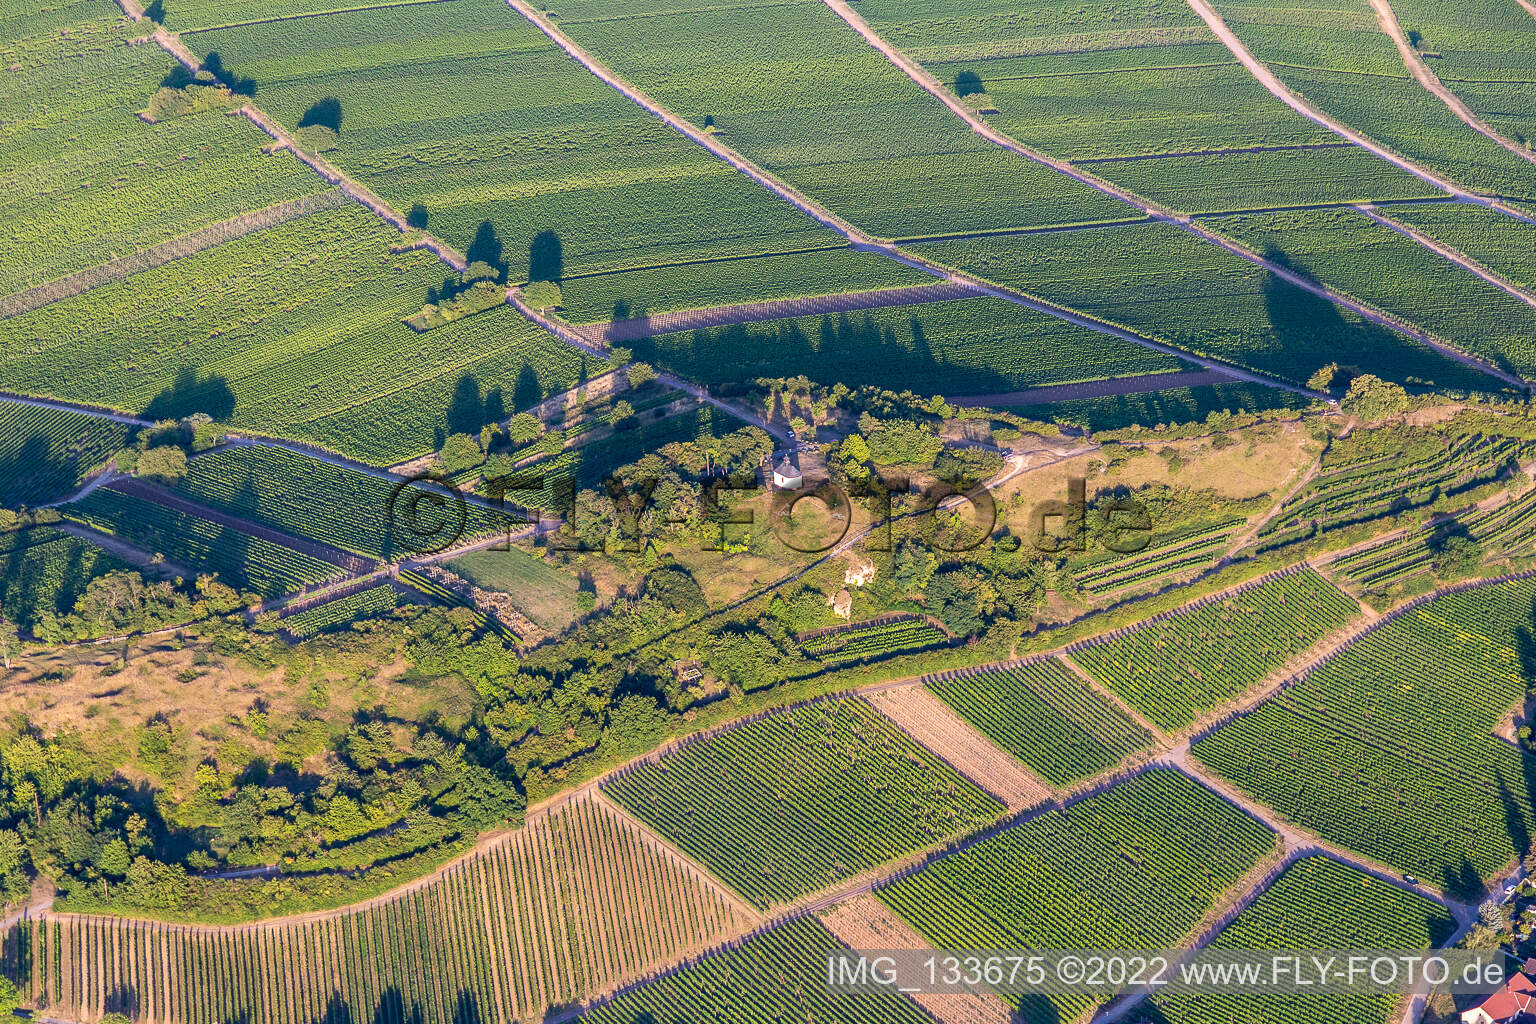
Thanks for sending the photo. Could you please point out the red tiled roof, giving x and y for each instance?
(1517, 998)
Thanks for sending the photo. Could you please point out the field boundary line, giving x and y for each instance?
(1386, 17)
(1448, 252)
(1159, 737)
(180, 247)
(309, 14)
(80, 407)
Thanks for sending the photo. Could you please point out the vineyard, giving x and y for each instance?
(566, 908)
(43, 571)
(1503, 244)
(327, 503)
(1372, 262)
(775, 976)
(802, 799)
(294, 330)
(1175, 405)
(1343, 63)
(1317, 903)
(238, 559)
(1393, 481)
(868, 641)
(1183, 664)
(44, 453)
(1158, 849)
(857, 136)
(84, 180)
(1045, 715)
(1166, 555)
(1173, 287)
(1507, 530)
(963, 346)
(625, 193)
(1388, 747)
(341, 612)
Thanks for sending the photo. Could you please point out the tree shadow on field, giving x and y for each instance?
(326, 113)
(968, 83)
(546, 257)
(466, 1009)
(466, 412)
(487, 248)
(214, 65)
(187, 395)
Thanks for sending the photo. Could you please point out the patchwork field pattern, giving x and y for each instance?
(1160, 847)
(1503, 244)
(1388, 748)
(1179, 666)
(842, 789)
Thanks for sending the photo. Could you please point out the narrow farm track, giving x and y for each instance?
(1387, 18)
(1187, 223)
(1112, 387)
(779, 309)
(90, 410)
(1529, 7)
(1447, 252)
(176, 248)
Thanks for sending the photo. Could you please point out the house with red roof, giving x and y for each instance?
(1515, 1003)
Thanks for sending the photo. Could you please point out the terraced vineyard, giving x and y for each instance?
(342, 611)
(83, 180)
(864, 642)
(1317, 903)
(293, 330)
(239, 559)
(1159, 847)
(963, 346)
(1180, 665)
(754, 983)
(1509, 529)
(1168, 285)
(842, 789)
(44, 453)
(1165, 556)
(43, 571)
(569, 907)
(330, 504)
(1372, 262)
(1045, 715)
(1388, 748)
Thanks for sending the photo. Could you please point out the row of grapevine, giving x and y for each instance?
(1317, 903)
(1177, 667)
(568, 908)
(799, 800)
(340, 612)
(1134, 867)
(46, 452)
(1506, 530)
(1165, 557)
(1045, 715)
(874, 641)
(1388, 747)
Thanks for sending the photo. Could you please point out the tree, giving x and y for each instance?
(1322, 380)
(641, 374)
(621, 411)
(618, 356)
(9, 640)
(524, 427)
(461, 452)
(968, 83)
(168, 462)
(1370, 398)
(10, 999)
(417, 218)
(542, 295)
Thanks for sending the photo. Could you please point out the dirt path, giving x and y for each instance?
(1387, 18)
(1113, 387)
(177, 248)
(89, 410)
(128, 553)
(1457, 257)
(780, 309)
(1529, 6)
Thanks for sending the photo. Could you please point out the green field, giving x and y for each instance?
(957, 347)
(754, 984)
(1352, 253)
(342, 611)
(82, 179)
(545, 594)
(44, 453)
(536, 147)
(1317, 903)
(1159, 848)
(869, 641)
(797, 91)
(238, 559)
(1173, 287)
(326, 503)
(802, 799)
(1508, 529)
(1501, 243)
(1047, 717)
(1165, 555)
(1336, 56)
(1388, 748)
(43, 570)
(293, 331)
(1175, 405)
(1175, 668)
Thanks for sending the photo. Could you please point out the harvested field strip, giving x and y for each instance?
(567, 908)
